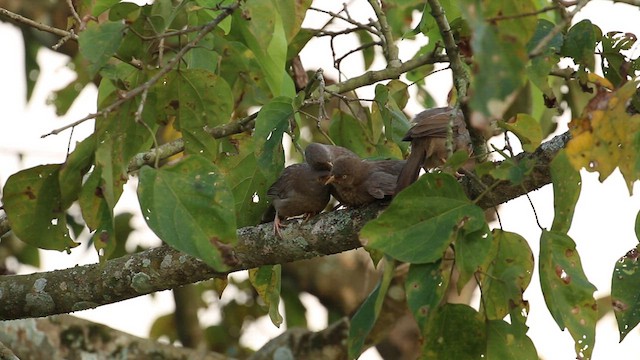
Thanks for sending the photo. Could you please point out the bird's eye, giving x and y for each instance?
(344, 176)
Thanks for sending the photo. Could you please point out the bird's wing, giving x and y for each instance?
(381, 184)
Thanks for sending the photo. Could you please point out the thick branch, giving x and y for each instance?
(539, 176)
(67, 337)
(89, 286)
(162, 268)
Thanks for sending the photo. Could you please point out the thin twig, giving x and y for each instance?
(168, 34)
(535, 213)
(353, 51)
(348, 19)
(159, 75)
(139, 120)
(36, 25)
(75, 15)
(371, 77)
(521, 15)
(388, 45)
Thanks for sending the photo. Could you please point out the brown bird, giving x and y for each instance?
(300, 190)
(321, 156)
(358, 182)
(428, 136)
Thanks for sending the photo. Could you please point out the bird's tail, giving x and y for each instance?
(268, 215)
(411, 169)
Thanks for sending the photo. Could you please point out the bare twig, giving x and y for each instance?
(74, 14)
(159, 75)
(371, 77)
(459, 73)
(388, 44)
(358, 25)
(36, 25)
(521, 15)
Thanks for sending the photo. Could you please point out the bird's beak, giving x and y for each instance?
(330, 180)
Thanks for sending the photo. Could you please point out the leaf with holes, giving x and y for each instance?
(508, 276)
(426, 286)
(34, 206)
(625, 294)
(567, 291)
(187, 206)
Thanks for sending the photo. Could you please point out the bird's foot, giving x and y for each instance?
(277, 227)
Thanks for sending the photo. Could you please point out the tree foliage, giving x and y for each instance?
(220, 84)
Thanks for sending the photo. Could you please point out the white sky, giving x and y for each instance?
(602, 228)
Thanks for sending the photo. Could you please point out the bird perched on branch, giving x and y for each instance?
(321, 156)
(358, 182)
(300, 190)
(428, 136)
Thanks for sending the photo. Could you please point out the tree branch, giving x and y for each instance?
(69, 337)
(162, 268)
(36, 25)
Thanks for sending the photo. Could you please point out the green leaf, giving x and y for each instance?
(97, 214)
(292, 14)
(197, 98)
(271, 123)
(625, 294)
(500, 50)
(99, 42)
(474, 252)
(638, 226)
(34, 206)
(454, 332)
(580, 43)
(426, 286)
(351, 133)
(540, 66)
(246, 180)
(295, 313)
(31, 67)
(508, 341)
(512, 171)
(187, 206)
(567, 291)
(363, 320)
(74, 169)
(615, 61)
(527, 129)
(265, 35)
(102, 6)
(266, 280)
(567, 184)
(368, 53)
(124, 11)
(423, 220)
(508, 276)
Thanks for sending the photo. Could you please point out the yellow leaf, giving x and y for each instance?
(604, 137)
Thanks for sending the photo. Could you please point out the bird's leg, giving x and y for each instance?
(277, 225)
(308, 216)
